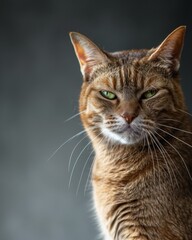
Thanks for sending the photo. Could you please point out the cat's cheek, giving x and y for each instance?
(92, 108)
(153, 108)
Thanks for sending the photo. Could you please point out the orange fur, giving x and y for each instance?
(142, 182)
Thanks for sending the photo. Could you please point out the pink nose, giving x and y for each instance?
(128, 117)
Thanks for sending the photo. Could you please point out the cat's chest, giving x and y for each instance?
(119, 220)
(127, 209)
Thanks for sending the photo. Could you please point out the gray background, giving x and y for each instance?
(39, 89)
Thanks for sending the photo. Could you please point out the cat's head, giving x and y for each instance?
(126, 95)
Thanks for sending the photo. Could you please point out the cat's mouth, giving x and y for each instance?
(127, 128)
(123, 133)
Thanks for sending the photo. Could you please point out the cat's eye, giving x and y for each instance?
(108, 95)
(149, 94)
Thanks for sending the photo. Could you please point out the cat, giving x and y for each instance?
(133, 109)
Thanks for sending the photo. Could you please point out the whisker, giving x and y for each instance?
(157, 143)
(76, 161)
(147, 121)
(174, 137)
(90, 171)
(70, 158)
(88, 177)
(167, 155)
(75, 115)
(179, 129)
(170, 119)
(83, 171)
(178, 154)
(62, 145)
(72, 171)
(184, 112)
(152, 140)
(151, 154)
(144, 139)
(149, 132)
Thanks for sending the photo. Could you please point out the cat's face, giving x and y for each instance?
(126, 95)
(127, 105)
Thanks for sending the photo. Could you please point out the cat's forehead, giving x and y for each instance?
(123, 64)
(129, 76)
(129, 70)
(119, 77)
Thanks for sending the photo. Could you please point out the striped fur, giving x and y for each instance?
(142, 174)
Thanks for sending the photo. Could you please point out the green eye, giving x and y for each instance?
(149, 94)
(108, 95)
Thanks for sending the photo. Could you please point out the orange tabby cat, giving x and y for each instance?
(133, 109)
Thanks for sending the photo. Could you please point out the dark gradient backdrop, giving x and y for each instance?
(39, 89)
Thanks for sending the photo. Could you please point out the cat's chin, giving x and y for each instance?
(121, 138)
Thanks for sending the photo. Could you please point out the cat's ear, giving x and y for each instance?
(169, 51)
(88, 54)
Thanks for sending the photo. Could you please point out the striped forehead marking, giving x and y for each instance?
(121, 77)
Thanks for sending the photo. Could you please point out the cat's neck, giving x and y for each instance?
(115, 159)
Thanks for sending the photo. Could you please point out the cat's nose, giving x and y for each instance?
(128, 117)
